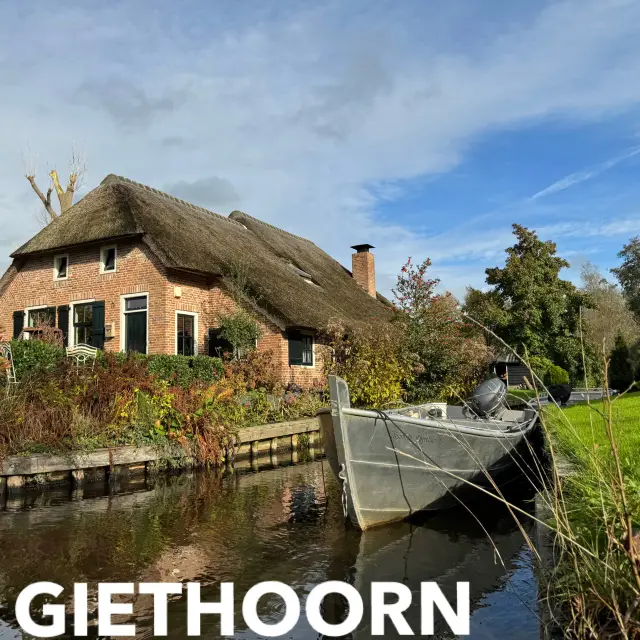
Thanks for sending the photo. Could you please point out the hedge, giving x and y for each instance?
(36, 355)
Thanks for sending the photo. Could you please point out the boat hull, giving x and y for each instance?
(392, 466)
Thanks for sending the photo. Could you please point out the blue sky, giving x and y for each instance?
(423, 128)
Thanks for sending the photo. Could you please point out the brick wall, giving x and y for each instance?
(139, 271)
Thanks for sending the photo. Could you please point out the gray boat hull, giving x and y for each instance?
(392, 465)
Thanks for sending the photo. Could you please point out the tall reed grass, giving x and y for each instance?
(587, 480)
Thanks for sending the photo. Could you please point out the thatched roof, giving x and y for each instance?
(288, 277)
(8, 276)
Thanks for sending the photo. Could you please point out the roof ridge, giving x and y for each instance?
(268, 224)
(113, 178)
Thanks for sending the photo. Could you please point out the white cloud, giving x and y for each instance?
(582, 176)
(311, 115)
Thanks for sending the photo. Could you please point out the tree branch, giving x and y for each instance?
(56, 182)
(46, 200)
(65, 197)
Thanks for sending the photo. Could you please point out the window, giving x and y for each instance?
(45, 317)
(300, 349)
(134, 320)
(83, 323)
(60, 267)
(108, 259)
(218, 345)
(186, 331)
(136, 304)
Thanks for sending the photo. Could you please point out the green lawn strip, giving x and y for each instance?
(581, 434)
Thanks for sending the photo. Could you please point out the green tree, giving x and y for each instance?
(628, 273)
(241, 330)
(529, 306)
(620, 366)
(486, 308)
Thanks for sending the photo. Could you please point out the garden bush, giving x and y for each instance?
(540, 366)
(185, 370)
(371, 361)
(241, 330)
(556, 375)
(35, 356)
(135, 399)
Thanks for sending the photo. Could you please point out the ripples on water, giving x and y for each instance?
(278, 524)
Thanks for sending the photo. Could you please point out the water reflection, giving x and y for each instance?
(283, 524)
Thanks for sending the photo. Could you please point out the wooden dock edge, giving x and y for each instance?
(75, 467)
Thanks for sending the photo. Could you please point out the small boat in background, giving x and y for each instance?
(392, 464)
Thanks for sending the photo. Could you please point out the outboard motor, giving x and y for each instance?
(488, 399)
(560, 393)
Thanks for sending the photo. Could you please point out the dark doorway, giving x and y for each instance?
(136, 332)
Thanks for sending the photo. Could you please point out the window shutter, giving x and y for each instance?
(63, 322)
(18, 323)
(295, 348)
(97, 325)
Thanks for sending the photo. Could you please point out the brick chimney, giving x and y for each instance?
(363, 268)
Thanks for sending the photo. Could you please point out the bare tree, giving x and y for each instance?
(77, 169)
(609, 315)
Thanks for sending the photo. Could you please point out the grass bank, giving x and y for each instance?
(596, 512)
(582, 433)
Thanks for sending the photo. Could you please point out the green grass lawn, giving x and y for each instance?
(580, 431)
(523, 394)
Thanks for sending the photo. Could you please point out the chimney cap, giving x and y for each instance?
(362, 248)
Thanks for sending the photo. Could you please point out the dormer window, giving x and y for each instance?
(108, 257)
(60, 267)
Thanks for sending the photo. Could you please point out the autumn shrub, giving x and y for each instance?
(255, 370)
(371, 360)
(449, 356)
(120, 402)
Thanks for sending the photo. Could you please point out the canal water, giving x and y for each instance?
(281, 524)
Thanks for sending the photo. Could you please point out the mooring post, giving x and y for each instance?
(77, 478)
(15, 483)
(254, 449)
(273, 451)
(3, 485)
(312, 445)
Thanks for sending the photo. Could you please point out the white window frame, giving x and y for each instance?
(71, 334)
(55, 266)
(123, 314)
(103, 253)
(195, 329)
(27, 310)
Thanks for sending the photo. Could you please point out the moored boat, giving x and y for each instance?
(392, 464)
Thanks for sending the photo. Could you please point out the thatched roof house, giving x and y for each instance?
(194, 257)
